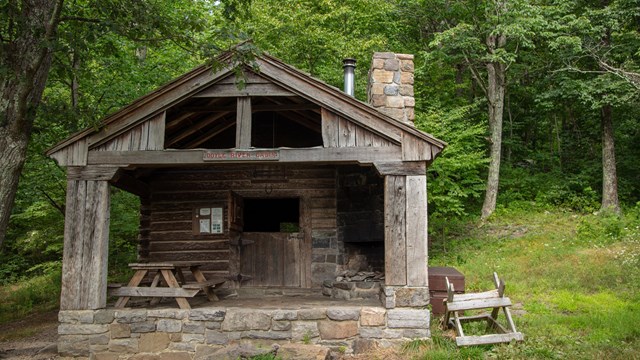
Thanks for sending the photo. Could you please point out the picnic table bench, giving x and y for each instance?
(165, 274)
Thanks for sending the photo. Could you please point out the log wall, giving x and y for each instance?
(176, 193)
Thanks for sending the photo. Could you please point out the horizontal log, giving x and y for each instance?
(240, 171)
(206, 266)
(172, 215)
(186, 157)
(91, 172)
(255, 89)
(152, 266)
(171, 225)
(263, 192)
(181, 235)
(190, 255)
(212, 185)
(401, 168)
(153, 292)
(188, 245)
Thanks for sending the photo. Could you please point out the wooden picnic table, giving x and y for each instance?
(165, 283)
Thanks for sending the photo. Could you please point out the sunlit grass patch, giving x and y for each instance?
(577, 278)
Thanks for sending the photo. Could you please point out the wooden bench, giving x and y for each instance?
(165, 272)
(206, 286)
(493, 299)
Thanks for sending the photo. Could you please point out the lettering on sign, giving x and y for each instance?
(238, 155)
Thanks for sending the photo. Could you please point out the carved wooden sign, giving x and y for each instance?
(241, 155)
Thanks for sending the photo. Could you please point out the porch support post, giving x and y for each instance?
(395, 222)
(417, 231)
(86, 239)
(405, 239)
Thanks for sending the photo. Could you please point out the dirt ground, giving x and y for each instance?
(34, 337)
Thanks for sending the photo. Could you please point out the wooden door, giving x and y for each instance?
(235, 208)
(272, 259)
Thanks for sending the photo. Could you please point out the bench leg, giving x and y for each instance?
(135, 281)
(456, 318)
(199, 276)
(154, 283)
(173, 283)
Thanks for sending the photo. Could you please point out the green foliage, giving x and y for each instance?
(39, 293)
(316, 36)
(455, 179)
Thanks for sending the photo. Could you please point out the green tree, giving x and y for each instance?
(483, 38)
(596, 43)
(37, 36)
(316, 36)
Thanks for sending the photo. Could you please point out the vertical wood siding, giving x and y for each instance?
(147, 136)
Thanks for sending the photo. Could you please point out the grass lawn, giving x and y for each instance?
(575, 277)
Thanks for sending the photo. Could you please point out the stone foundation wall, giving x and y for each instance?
(404, 296)
(204, 333)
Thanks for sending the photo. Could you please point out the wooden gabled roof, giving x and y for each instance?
(151, 109)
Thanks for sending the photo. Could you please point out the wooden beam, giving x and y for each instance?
(194, 128)
(153, 291)
(93, 172)
(178, 120)
(395, 248)
(329, 129)
(194, 157)
(254, 108)
(128, 183)
(243, 123)
(86, 245)
(232, 90)
(401, 168)
(220, 127)
(416, 230)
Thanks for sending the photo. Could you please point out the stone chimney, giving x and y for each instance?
(390, 87)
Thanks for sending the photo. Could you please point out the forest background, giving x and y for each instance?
(538, 100)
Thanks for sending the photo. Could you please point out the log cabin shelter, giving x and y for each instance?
(283, 183)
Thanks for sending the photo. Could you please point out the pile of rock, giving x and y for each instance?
(352, 275)
(351, 284)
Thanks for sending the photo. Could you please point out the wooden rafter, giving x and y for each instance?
(217, 129)
(195, 128)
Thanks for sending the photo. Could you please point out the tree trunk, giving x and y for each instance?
(26, 55)
(496, 83)
(609, 174)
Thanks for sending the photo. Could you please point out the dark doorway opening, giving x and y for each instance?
(272, 215)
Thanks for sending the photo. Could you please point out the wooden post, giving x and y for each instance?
(86, 245)
(395, 247)
(405, 223)
(417, 231)
(243, 123)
